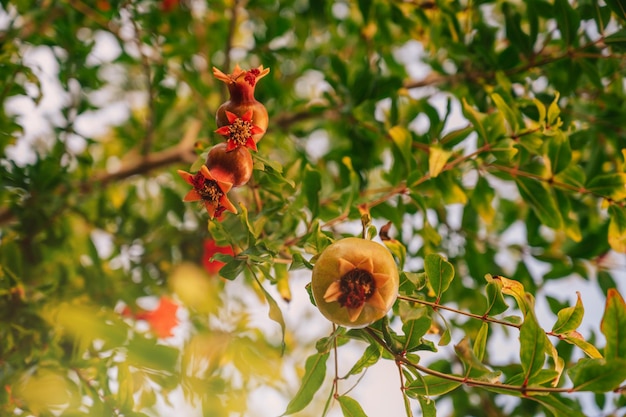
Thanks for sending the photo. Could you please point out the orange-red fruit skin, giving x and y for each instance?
(326, 271)
(233, 166)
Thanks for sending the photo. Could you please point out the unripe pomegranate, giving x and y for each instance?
(355, 282)
(210, 190)
(234, 166)
(241, 86)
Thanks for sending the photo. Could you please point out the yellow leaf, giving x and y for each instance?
(437, 160)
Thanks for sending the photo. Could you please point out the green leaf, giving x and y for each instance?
(233, 268)
(506, 111)
(428, 406)
(312, 184)
(569, 318)
(476, 118)
(350, 407)
(371, 355)
(559, 152)
(617, 228)
(314, 373)
(439, 271)
(597, 375)
(480, 344)
(567, 21)
(617, 40)
(576, 339)
(613, 326)
(402, 139)
(414, 330)
(516, 290)
(482, 198)
(556, 406)
(473, 366)
(532, 345)
(618, 7)
(437, 158)
(609, 185)
(275, 312)
(541, 200)
(431, 386)
(495, 299)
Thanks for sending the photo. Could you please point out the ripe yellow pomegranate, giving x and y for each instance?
(355, 282)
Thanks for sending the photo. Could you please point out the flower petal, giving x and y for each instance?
(376, 300)
(381, 279)
(333, 292)
(247, 117)
(211, 207)
(186, 176)
(255, 130)
(225, 202)
(354, 313)
(250, 143)
(206, 173)
(231, 117)
(221, 76)
(345, 266)
(231, 145)
(262, 72)
(192, 196)
(224, 131)
(367, 264)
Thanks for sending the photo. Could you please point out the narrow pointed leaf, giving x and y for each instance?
(275, 312)
(532, 345)
(428, 406)
(431, 386)
(576, 339)
(613, 326)
(371, 355)
(437, 159)
(314, 373)
(495, 299)
(568, 319)
(617, 228)
(559, 152)
(556, 407)
(480, 344)
(541, 200)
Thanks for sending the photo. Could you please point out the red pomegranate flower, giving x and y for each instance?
(210, 249)
(209, 190)
(162, 320)
(239, 131)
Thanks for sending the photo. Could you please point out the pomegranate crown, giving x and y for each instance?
(238, 75)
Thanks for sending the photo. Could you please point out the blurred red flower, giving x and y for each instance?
(210, 249)
(162, 319)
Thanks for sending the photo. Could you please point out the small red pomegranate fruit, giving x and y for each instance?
(233, 167)
(241, 85)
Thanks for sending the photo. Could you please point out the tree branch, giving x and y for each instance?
(135, 165)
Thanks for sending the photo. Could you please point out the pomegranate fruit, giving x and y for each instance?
(234, 167)
(355, 282)
(210, 190)
(241, 85)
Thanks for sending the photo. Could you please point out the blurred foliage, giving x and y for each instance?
(490, 132)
